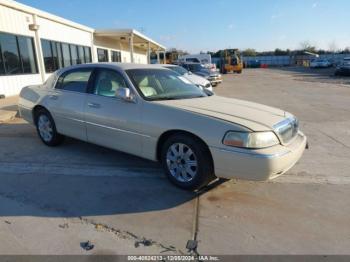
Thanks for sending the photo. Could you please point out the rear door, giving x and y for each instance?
(67, 102)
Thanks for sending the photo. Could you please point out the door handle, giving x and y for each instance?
(53, 97)
(94, 105)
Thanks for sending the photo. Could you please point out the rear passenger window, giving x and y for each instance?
(76, 81)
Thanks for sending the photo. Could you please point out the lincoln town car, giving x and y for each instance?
(155, 113)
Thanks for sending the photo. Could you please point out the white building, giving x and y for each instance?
(34, 43)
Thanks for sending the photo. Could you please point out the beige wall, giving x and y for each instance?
(12, 85)
(59, 32)
(140, 55)
(16, 22)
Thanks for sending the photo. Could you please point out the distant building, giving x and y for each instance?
(34, 43)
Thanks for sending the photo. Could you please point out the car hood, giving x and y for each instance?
(251, 115)
(198, 80)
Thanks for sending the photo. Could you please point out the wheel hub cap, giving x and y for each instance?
(181, 162)
(45, 128)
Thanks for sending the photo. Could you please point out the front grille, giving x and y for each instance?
(287, 129)
(214, 77)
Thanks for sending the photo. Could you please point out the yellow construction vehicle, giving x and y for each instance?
(230, 61)
(173, 55)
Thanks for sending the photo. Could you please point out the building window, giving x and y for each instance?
(66, 55)
(74, 54)
(116, 56)
(17, 55)
(58, 55)
(87, 54)
(81, 56)
(10, 53)
(102, 55)
(26, 49)
(54, 55)
(47, 55)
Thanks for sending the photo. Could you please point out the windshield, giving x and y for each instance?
(178, 69)
(199, 67)
(161, 84)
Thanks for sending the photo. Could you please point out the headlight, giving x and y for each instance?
(250, 140)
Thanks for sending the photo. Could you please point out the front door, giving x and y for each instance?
(110, 121)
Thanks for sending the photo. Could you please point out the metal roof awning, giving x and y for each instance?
(139, 39)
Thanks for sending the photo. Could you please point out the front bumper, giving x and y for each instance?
(261, 164)
(215, 81)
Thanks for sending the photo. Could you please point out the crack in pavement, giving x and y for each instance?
(334, 139)
(123, 234)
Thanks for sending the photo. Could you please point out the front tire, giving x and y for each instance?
(187, 162)
(46, 128)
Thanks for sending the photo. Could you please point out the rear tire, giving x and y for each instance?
(187, 162)
(46, 128)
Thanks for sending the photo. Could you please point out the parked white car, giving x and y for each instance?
(195, 79)
(151, 112)
(320, 63)
(204, 59)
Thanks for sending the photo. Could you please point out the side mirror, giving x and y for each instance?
(124, 94)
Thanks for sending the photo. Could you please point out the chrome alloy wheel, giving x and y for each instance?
(182, 162)
(45, 128)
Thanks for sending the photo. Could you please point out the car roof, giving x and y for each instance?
(170, 65)
(123, 66)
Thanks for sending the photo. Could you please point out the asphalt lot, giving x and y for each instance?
(52, 199)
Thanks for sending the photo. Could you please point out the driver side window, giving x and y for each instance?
(107, 82)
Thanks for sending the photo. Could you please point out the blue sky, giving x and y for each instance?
(209, 25)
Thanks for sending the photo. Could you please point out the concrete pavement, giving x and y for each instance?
(8, 108)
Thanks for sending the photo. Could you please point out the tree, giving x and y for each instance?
(346, 50)
(332, 47)
(281, 52)
(306, 46)
(249, 52)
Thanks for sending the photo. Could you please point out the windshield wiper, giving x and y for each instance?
(164, 98)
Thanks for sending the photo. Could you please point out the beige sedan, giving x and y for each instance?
(157, 114)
